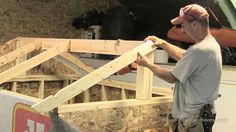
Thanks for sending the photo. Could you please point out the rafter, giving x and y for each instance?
(42, 57)
(19, 52)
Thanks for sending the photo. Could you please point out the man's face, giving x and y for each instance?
(188, 28)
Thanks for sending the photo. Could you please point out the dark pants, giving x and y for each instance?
(193, 123)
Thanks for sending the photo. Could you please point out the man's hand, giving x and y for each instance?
(142, 60)
(156, 41)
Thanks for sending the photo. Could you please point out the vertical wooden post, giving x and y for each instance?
(104, 93)
(14, 87)
(144, 80)
(72, 100)
(123, 94)
(66, 83)
(86, 96)
(41, 90)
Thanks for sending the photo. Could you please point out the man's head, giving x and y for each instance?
(194, 21)
(191, 13)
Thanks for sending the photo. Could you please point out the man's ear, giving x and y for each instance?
(194, 24)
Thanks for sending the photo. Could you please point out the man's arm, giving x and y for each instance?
(157, 70)
(162, 73)
(174, 51)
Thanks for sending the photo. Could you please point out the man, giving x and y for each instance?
(196, 75)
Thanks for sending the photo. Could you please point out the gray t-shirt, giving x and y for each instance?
(198, 76)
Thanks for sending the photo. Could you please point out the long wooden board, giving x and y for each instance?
(111, 47)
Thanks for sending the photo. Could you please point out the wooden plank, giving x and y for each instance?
(20, 52)
(18, 69)
(77, 62)
(112, 47)
(144, 80)
(72, 100)
(41, 90)
(112, 104)
(29, 78)
(93, 78)
(123, 94)
(104, 93)
(14, 87)
(86, 96)
(66, 83)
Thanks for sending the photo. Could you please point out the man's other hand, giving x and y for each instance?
(142, 60)
(156, 41)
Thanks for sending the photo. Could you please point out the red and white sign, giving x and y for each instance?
(26, 119)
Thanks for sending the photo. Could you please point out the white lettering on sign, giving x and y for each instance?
(31, 126)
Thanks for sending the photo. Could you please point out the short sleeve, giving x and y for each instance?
(189, 64)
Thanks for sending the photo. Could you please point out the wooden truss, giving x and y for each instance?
(61, 48)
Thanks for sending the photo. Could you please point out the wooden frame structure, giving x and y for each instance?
(61, 48)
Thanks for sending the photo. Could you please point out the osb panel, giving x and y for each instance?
(52, 87)
(30, 89)
(95, 93)
(113, 93)
(123, 119)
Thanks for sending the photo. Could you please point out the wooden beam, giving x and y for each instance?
(77, 62)
(72, 100)
(111, 47)
(14, 87)
(112, 104)
(123, 94)
(86, 96)
(24, 66)
(20, 52)
(144, 80)
(41, 90)
(104, 93)
(29, 78)
(93, 78)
